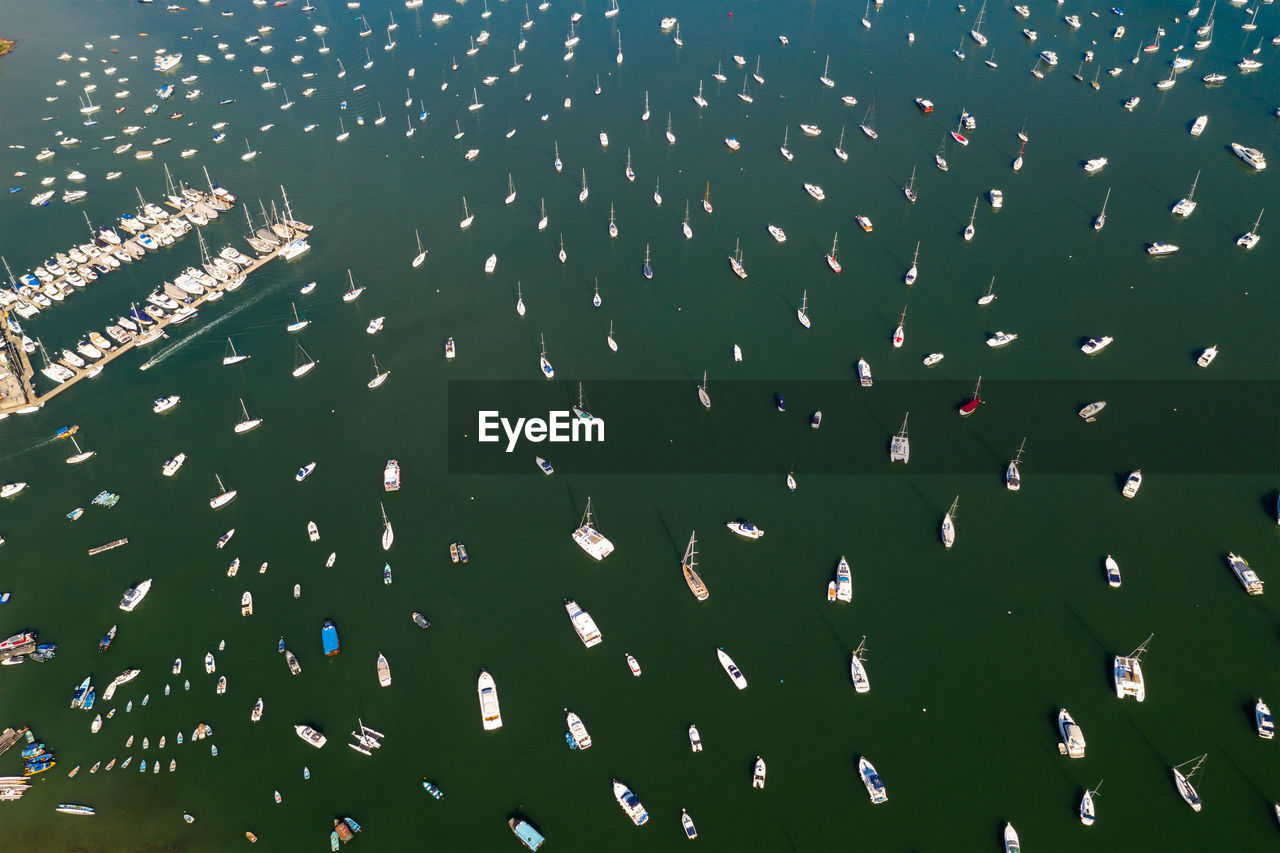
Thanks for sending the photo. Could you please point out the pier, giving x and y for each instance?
(17, 392)
(113, 544)
(9, 737)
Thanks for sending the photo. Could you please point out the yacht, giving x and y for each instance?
(1252, 156)
(1248, 577)
(1094, 346)
(686, 822)
(583, 624)
(171, 466)
(1095, 165)
(1132, 485)
(745, 529)
(858, 668)
(1127, 673)
(133, 596)
(630, 804)
(1072, 738)
(731, 669)
(871, 779)
(844, 581)
(695, 739)
(1132, 103)
(577, 731)
(1011, 842)
(591, 540)
(1000, 339)
(1112, 569)
(758, 773)
(1091, 411)
(310, 735)
(815, 191)
(1265, 723)
(490, 712)
(1158, 248)
(246, 604)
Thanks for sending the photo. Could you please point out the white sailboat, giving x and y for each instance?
(900, 444)
(688, 231)
(388, 535)
(246, 423)
(379, 375)
(671, 137)
(990, 296)
(233, 355)
(948, 528)
(613, 226)
(299, 322)
(563, 255)
(543, 362)
(224, 496)
(786, 152)
(557, 163)
(802, 313)
(582, 196)
(1250, 238)
(703, 396)
(353, 292)
(422, 253)
(824, 79)
(467, 216)
(1183, 781)
(542, 220)
(596, 301)
(80, 455)
(1012, 476)
(913, 271)
(613, 345)
(968, 230)
(303, 362)
(511, 189)
(519, 301)
(744, 95)
(1088, 813)
(1101, 218)
(839, 149)
(645, 115)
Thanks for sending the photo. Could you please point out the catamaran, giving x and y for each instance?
(591, 540)
(1127, 673)
(689, 567)
(900, 444)
(1185, 207)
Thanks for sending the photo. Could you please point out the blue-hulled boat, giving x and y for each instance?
(329, 636)
(107, 638)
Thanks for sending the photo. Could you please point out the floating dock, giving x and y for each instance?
(116, 544)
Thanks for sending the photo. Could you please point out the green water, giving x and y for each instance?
(972, 651)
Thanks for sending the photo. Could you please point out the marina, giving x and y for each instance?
(254, 436)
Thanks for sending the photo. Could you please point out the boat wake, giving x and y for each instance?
(177, 345)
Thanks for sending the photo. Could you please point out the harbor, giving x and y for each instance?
(557, 624)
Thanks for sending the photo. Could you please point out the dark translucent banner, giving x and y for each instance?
(652, 427)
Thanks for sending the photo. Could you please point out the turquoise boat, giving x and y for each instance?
(523, 830)
(329, 636)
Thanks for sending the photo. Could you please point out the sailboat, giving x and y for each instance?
(719, 75)
(543, 362)
(613, 345)
(353, 292)
(703, 396)
(80, 455)
(968, 230)
(990, 296)
(976, 32)
(910, 189)
(1087, 811)
(580, 410)
(1012, 477)
(679, 42)
(899, 334)
(223, 497)
(645, 115)
(866, 17)
(735, 261)
(559, 165)
(840, 152)
(247, 423)
(972, 406)
(791, 479)
(249, 153)
(613, 226)
(582, 196)
(657, 194)
(900, 444)
(614, 10)
(299, 322)
(388, 535)
(743, 94)
(563, 256)
(379, 376)
(786, 152)
(1186, 206)
(1101, 219)
(831, 256)
(343, 133)
(689, 566)
(467, 216)
(631, 175)
(948, 529)
(990, 61)
(304, 362)
(914, 271)
(1017, 163)
(1183, 780)
(233, 355)
(698, 99)
(688, 231)
(422, 253)
(511, 189)
(475, 100)
(706, 199)
(959, 51)
(824, 79)
(519, 301)
(868, 122)
(802, 313)
(542, 220)
(1250, 238)
(596, 301)
(671, 137)
(941, 157)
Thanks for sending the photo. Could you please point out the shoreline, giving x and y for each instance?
(7, 46)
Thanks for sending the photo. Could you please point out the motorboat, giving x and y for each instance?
(1073, 743)
(745, 529)
(731, 669)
